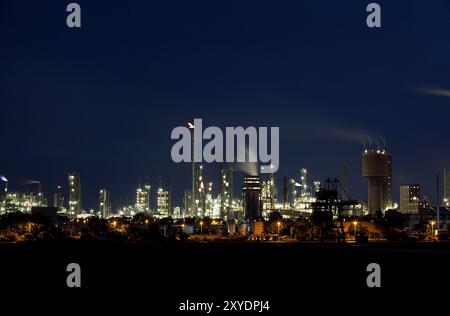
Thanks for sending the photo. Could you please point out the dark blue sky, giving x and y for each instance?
(103, 99)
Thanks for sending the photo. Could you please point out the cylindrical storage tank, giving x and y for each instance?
(257, 228)
(243, 229)
(232, 228)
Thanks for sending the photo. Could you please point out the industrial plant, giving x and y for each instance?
(323, 203)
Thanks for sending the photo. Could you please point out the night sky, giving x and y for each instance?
(103, 99)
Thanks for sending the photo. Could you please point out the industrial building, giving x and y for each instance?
(377, 168)
(295, 204)
(58, 199)
(259, 195)
(201, 200)
(196, 185)
(198, 191)
(409, 198)
(74, 193)
(251, 198)
(104, 205)
(196, 179)
(142, 204)
(269, 194)
(163, 202)
(187, 200)
(18, 201)
(21, 202)
(226, 190)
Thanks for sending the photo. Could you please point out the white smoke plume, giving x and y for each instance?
(432, 90)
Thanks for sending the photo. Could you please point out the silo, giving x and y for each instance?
(375, 169)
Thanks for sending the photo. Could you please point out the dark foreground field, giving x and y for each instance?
(290, 276)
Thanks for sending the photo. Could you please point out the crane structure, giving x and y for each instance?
(331, 200)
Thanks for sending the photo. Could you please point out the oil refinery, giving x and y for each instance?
(292, 197)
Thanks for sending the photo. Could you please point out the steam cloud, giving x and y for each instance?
(356, 135)
(28, 182)
(250, 168)
(434, 91)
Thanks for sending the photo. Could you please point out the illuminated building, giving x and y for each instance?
(293, 193)
(162, 202)
(200, 195)
(104, 205)
(209, 202)
(196, 175)
(377, 168)
(269, 195)
(251, 198)
(304, 182)
(303, 203)
(187, 199)
(143, 199)
(74, 193)
(226, 190)
(21, 202)
(298, 203)
(176, 212)
(409, 198)
(196, 182)
(266, 196)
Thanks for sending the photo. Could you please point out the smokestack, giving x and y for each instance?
(3, 178)
(194, 172)
(292, 190)
(446, 185)
(437, 201)
(445, 179)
